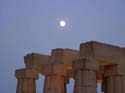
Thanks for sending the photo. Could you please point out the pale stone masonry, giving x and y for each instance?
(26, 80)
(85, 75)
(94, 62)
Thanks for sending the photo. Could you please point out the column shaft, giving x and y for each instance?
(123, 84)
(85, 81)
(85, 75)
(26, 86)
(114, 84)
(54, 84)
(19, 86)
(113, 79)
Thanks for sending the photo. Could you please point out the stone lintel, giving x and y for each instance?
(111, 70)
(59, 69)
(47, 69)
(26, 74)
(101, 51)
(35, 60)
(56, 55)
(54, 69)
(65, 56)
(85, 64)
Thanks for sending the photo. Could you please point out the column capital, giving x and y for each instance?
(26, 74)
(85, 64)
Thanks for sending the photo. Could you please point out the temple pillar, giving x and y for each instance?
(123, 84)
(85, 76)
(114, 84)
(55, 79)
(113, 80)
(26, 80)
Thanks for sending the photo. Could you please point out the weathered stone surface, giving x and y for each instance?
(26, 86)
(81, 65)
(47, 69)
(54, 84)
(65, 56)
(55, 80)
(59, 69)
(123, 84)
(35, 61)
(101, 51)
(85, 81)
(113, 80)
(122, 65)
(111, 70)
(26, 80)
(85, 63)
(56, 55)
(114, 84)
(26, 73)
(85, 75)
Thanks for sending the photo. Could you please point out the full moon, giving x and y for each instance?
(62, 23)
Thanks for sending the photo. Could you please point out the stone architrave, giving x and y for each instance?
(26, 80)
(85, 76)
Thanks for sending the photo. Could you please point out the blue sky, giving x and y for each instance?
(28, 26)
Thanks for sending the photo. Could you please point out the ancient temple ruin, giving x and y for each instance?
(94, 62)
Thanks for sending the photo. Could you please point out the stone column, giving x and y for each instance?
(55, 79)
(114, 84)
(113, 80)
(123, 84)
(85, 76)
(49, 84)
(26, 80)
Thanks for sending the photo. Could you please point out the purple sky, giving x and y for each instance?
(32, 26)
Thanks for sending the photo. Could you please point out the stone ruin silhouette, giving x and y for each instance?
(93, 63)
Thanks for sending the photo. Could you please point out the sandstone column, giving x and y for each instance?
(85, 76)
(55, 79)
(26, 80)
(113, 80)
(123, 84)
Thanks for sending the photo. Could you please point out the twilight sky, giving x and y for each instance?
(28, 26)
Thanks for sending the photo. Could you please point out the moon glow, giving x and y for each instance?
(62, 23)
